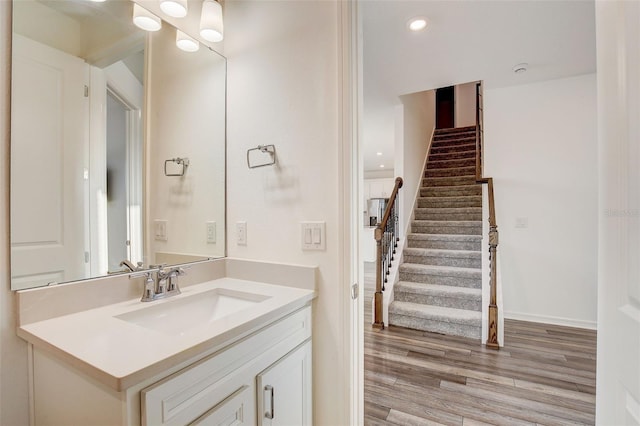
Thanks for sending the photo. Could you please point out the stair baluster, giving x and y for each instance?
(387, 237)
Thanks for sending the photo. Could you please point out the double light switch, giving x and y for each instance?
(313, 235)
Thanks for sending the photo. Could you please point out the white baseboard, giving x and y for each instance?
(568, 322)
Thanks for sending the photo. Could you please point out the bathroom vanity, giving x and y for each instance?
(226, 351)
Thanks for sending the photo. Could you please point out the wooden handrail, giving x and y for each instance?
(387, 237)
(492, 337)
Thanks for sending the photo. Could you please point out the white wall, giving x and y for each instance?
(540, 148)
(283, 89)
(465, 104)
(186, 119)
(13, 351)
(416, 118)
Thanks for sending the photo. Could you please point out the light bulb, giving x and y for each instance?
(144, 19)
(175, 8)
(186, 43)
(211, 25)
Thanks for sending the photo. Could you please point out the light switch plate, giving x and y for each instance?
(160, 230)
(313, 235)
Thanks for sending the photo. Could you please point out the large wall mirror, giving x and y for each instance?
(117, 144)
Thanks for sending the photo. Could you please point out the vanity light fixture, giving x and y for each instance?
(186, 43)
(417, 24)
(211, 25)
(174, 8)
(144, 19)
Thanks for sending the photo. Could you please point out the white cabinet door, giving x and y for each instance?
(376, 189)
(284, 390)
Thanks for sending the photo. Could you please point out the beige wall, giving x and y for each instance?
(541, 150)
(13, 351)
(186, 118)
(283, 85)
(465, 104)
(415, 122)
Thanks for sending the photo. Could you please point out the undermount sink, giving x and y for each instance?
(182, 314)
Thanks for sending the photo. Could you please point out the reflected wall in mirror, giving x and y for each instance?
(97, 108)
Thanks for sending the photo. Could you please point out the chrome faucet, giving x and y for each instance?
(165, 283)
(127, 263)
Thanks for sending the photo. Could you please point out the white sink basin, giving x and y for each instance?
(182, 314)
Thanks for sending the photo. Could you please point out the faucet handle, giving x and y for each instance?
(148, 290)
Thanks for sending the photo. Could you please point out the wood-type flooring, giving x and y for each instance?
(545, 374)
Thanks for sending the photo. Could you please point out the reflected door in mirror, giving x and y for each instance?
(47, 165)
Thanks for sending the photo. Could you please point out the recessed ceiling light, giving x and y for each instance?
(378, 153)
(382, 166)
(520, 68)
(417, 24)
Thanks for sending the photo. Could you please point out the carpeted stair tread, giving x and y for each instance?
(461, 254)
(455, 130)
(438, 313)
(466, 227)
(452, 163)
(446, 237)
(453, 171)
(450, 191)
(435, 156)
(445, 149)
(437, 290)
(448, 213)
(444, 271)
(450, 202)
(449, 180)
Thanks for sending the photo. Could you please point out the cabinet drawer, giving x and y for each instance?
(235, 410)
(194, 391)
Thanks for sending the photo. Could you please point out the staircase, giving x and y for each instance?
(441, 274)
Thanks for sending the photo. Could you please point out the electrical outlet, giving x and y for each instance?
(160, 230)
(211, 232)
(241, 233)
(522, 222)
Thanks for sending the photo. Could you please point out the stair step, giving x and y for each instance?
(450, 191)
(445, 241)
(438, 295)
(439, 257)
(454, 140)
(437, 319)
(465, 227)
(449, 180)
(435, 156)
(449, 213)
(451, 163)
(454, 171)
(436, 149)
(442, 275)
(455, 130)
(455, 135)
(450, 202)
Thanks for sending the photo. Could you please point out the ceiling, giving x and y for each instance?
(464, 41)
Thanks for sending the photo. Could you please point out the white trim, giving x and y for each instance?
(350, 220)
(544, 319)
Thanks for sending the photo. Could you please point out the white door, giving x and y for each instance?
(618, 372)
(284, 390)
(48, 109)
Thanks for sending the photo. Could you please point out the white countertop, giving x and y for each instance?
(121, 354)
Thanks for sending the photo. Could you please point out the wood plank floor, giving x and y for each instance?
(545, 374)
